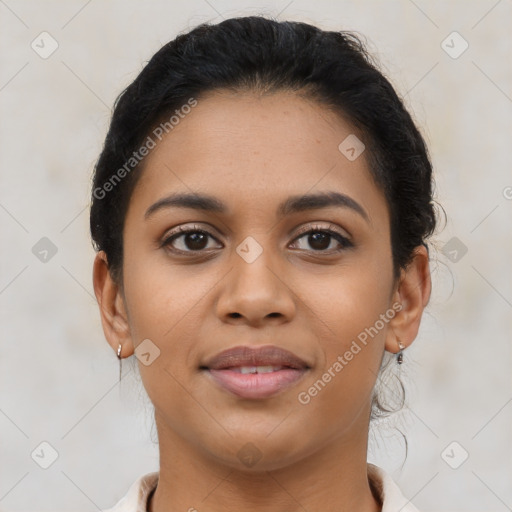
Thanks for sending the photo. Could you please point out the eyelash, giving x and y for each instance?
(181, 231)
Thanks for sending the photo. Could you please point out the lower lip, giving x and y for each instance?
(256, 385)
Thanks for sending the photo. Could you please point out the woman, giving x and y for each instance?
(260, 210)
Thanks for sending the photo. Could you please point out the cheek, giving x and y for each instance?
(161, 300)
(357, 304)
(164, 304)
(352, 297)
(168, 304)
(350, 332)
(351, 314)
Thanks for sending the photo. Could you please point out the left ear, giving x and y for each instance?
(413, 293)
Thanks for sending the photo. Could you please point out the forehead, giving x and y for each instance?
(253, 151)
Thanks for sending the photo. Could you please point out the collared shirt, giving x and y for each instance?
(387, 490)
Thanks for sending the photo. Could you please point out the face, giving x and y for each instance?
(315, 280)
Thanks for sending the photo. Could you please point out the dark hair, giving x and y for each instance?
(263, 55)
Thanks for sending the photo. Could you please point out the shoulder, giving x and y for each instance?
(388, 491)
(137, 495)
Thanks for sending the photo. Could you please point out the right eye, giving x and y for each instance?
(192, 239)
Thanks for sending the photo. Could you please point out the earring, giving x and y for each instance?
(119, 357)
(400, 355)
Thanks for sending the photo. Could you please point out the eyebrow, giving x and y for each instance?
(291, 205)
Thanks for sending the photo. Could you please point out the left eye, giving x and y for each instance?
(320, 239)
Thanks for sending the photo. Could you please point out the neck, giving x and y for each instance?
(333, 479)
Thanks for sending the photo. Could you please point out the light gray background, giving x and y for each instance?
(58, 376)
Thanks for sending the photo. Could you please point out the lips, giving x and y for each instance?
(244, 356)
(255, 373)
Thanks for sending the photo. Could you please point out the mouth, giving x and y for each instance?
(255, 373)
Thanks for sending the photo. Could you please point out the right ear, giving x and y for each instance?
(112, 307)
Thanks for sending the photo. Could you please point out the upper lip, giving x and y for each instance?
(268, 355)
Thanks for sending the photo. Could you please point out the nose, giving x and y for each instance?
(255, 293)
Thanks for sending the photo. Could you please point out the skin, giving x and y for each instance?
(252, 152)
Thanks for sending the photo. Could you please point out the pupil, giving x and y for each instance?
(319, 237)
(193, 240)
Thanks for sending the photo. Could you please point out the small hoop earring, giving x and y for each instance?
(400, 354)
(120, 359)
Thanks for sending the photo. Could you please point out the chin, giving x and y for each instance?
(258, 453)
